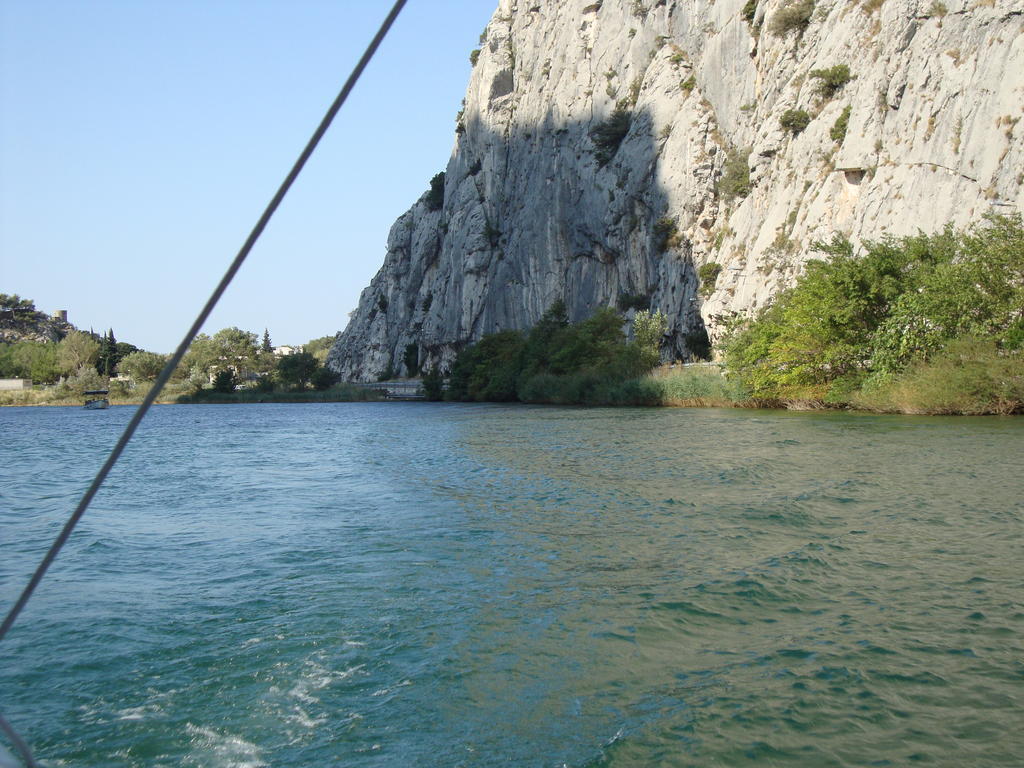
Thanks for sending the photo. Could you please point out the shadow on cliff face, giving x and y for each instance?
(572, 211)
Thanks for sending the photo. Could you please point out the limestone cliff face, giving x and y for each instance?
(934, 135)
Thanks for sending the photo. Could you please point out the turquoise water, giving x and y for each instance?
(447, 585)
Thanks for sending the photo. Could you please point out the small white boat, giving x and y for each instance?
(96, 399)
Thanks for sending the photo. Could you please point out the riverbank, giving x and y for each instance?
(965, 389)
(341, 393)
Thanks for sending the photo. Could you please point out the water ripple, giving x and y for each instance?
(465, 585)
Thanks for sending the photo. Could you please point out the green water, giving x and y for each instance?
(448, 585)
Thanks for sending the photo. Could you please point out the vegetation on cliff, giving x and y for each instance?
(920, 324)
(557, 361)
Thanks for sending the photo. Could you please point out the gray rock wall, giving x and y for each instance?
(934, 137)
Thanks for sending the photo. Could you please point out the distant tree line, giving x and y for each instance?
(234, 358)
(45, 362)
(229, 358)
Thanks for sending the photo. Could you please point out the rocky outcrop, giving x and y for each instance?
(18, 324)
(709, 205)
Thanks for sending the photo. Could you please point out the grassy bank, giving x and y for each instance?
(969, 377)
(681, 386)
(968, 380)
(58, 395)
(963, 382)
(340, 393)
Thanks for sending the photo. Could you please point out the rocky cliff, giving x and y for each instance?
(685, 155)
(25, 323)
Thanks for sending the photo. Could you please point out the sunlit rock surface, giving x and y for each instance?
(934, 137)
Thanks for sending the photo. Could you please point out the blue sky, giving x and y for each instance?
(141, 139)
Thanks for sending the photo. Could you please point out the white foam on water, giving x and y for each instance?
(391, 689)
(137, 713)
(212, 748)
(304, 708)
(301, 717)
(618, 735)
(315, 677)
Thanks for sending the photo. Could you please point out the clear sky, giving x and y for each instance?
(141, 139)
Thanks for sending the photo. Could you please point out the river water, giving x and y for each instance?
(457, 585)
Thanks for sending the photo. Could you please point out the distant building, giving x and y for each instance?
(282, 351)
(60, 315)
(8, 385)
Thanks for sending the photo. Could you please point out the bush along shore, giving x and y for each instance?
(927, 324)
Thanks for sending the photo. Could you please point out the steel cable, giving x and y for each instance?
(168, 369)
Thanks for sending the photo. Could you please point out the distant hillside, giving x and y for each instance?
(21, 321)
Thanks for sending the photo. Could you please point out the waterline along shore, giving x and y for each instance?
(691, 386)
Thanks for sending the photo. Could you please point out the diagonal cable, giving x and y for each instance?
(168, 369)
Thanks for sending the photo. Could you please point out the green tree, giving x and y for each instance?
(265, 360)
(124, 349)
(236, 346)
(795, 120)
(76, 350)
(831, 80)
(963, 284)
(543, 341)
(200, 358)
(141, 365)
(107, 358)
(227, 347)
(14, 301)
(794, 16)
(648, 330)
(297, 369)
(840, 126)
(557, 361)
(8, 368)
(224, 380)
(595, 344)
(411, 359)
(433, 383)
(608, 135)
(30, 360)
(735, 179)
(320, 347)
(821, 330)
(324, 378)
(435, 197)
(487, 370)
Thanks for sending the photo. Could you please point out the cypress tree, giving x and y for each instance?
(112, 358)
